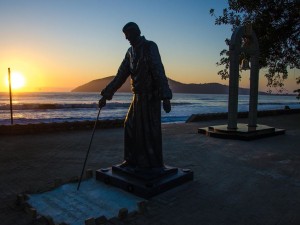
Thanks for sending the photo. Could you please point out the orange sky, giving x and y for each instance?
(58, 46)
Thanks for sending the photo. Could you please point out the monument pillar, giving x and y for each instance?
(243, 41)
(233, 84)
(253, 98)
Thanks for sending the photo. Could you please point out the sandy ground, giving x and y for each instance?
(235, 182)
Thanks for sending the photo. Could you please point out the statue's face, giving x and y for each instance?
(131, 36)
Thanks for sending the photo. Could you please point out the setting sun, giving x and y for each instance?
(17, 80)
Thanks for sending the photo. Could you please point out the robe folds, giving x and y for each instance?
(149, 84)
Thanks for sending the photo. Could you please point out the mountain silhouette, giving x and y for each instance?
(176, 87)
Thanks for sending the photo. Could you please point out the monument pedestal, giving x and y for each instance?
(145, 183)
(243, 131)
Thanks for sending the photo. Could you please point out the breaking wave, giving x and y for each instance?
(45, 106)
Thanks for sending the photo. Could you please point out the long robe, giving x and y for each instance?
(142, 128)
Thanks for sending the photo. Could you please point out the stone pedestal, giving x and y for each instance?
(243, 131)
(144, 183)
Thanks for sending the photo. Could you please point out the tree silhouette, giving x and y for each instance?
(277, 25)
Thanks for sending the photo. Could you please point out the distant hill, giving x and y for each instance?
(177, 87)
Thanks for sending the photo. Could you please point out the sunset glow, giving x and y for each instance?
(17, 80)
(60, 45)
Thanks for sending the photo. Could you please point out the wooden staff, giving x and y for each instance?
(87, 153)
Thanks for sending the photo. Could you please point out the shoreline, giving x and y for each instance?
(31, 128)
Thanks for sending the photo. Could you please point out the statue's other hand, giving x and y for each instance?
(167, 105)
(102, 102)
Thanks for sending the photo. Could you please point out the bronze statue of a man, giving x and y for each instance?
(143, 137)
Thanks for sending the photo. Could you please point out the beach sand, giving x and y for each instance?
(235, 182)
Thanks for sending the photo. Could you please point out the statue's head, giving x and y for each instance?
(132, 32)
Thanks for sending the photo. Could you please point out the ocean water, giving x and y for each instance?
(50, 107)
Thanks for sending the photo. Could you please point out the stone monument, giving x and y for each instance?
(243, 42)
(143, 171)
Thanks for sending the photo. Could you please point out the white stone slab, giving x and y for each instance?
(94, 199)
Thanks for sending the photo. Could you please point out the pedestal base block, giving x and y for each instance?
(243, 132)
(144, 183)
